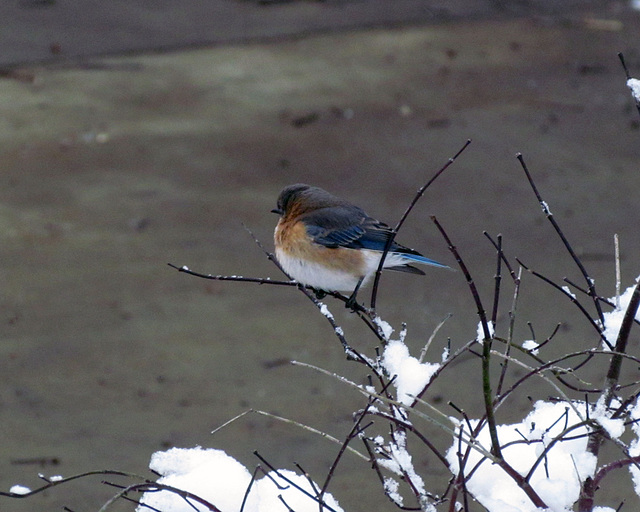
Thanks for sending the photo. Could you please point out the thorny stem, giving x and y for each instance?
(359, 310)
(351, 353)
(394, 232)
(364, 314)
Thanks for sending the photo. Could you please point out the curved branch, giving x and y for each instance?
(486, 343)
(54, 483)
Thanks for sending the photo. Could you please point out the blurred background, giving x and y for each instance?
(136, 134)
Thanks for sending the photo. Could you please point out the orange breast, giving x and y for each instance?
(291, 238)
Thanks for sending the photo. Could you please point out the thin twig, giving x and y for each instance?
(572, 298)
(550, 337)
(54, 483)
(557, 371)
(355, 431)
(321, 502)
(616, 246)
(548, 445)
(155, 487)
(394, 232)
(512, 272)
(613, 375)
(498, 279)
(246, 493)
(545, 209)
(407, 425)
(452, 357)
(533, 371)
(424, 350)
(486, 343)
(626, 71)
(509, 344)
(606, 469)
(308, 429)
(232, 420)
(258, 280)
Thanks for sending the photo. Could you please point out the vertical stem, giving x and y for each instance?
(621, 343)
(498, 278)
(486, 345)
(488, 397)
(512, 321)
(616, 245)
(596, 438)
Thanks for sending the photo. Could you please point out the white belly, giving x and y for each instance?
(329, 279)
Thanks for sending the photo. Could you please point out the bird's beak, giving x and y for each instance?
(278, 211)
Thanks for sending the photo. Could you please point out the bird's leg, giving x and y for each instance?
(351, 301)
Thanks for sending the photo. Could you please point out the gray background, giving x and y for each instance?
(140, 133)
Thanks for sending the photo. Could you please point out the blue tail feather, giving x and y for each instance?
(421, 259)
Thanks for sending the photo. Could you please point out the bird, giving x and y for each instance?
(332, 245)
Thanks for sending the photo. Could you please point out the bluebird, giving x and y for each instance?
(332, 245)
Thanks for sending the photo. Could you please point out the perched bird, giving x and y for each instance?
(332, 245)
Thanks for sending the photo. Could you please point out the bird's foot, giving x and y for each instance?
(352, 303)
(320, 294)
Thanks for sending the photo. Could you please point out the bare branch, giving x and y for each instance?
(394, 232)
(545, 208)
(486, 344)
(258, 280)
(575, 301)
(54, 483)
(626, 71)
(321, 502)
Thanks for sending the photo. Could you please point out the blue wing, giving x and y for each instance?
(350, 227)
(346, 226)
